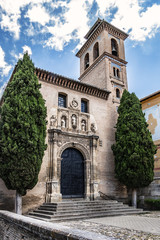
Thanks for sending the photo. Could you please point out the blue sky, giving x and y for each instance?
(53, 31)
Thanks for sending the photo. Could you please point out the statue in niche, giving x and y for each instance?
(53, 121)
(93, 127)
(63, 122)
(74, 121)
(83, 125)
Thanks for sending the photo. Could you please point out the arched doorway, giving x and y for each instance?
(72, 173)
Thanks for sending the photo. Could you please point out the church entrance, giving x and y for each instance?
(72, 174)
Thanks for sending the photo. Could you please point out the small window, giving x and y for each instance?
(116, 72)
(86, 61)
(117, 93)
(114, 47)
(95, 50)
(84, 106)
(62, 100)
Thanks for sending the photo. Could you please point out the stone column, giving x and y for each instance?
(94, 175)
(53, 191)
(87, 179)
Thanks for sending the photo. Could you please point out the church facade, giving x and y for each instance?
(79, 162)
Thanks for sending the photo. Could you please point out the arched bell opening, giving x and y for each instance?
(96, 50)
(86, 61)
(114, 47)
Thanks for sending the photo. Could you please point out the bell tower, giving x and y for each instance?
(102, 58)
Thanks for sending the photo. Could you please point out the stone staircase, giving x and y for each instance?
(75, 210)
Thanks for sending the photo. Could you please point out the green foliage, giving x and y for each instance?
(134, 149)
(152, 204)
(22, 129)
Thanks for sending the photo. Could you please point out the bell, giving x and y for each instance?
(114, 51)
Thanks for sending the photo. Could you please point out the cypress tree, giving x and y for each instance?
(22, 129)
(134, 148)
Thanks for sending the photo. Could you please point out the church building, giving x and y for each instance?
(81, 115)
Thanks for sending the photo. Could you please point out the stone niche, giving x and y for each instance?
(71, 119)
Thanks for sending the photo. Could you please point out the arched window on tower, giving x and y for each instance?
(114, 47)
(118, 76)
(95, 50)
(117, 93)
(86, 61)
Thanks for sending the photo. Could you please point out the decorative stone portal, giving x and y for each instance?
(72, 174)
(85, 146)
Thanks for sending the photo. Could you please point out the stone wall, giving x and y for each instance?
(18, 227)
(7, 197)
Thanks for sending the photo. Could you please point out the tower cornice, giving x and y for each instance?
(107, 55)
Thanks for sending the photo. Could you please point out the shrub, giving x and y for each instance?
(152, 204)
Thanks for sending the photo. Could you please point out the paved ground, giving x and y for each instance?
(145, 224)
(135, 227)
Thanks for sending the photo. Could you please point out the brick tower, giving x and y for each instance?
(102, 58)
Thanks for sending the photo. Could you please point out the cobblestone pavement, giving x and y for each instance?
(135, 227)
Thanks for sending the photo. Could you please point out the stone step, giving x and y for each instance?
(40, 210)
(41, 215)
(76, 207)
(78, 212)
(72, 199)
(84, 215)
(63, 211)
(57, 214)
(71, 218)
(71, 203)
(62, 206)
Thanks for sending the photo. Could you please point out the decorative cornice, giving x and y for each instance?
(119, 82)
(99, 59)
(62, 81)
(65, 82)
(99, 26)
(92, 29)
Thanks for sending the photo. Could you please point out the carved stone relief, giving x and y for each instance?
(53, 121)
(63, 122)
(83, 125)
(74, 104)
(93, 128)
(74, 121)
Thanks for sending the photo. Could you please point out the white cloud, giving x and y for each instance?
(11, 14)
(25, 49)
(30, 31)
(74, 25)
(105, 6)
(72, 22)
(12, 10)
(38, 14)
(10, 23)
(2, 88)
(130, 15)
(4, 66)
